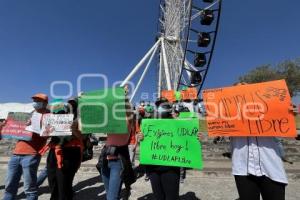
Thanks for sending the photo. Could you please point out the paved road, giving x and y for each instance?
(88, 187)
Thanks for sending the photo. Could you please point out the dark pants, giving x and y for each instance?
(61, 180)
(165, 184)
(251, 187)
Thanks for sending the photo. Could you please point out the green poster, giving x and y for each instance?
(178, 95)
(103, 111)
(171, 142)
(188, 115)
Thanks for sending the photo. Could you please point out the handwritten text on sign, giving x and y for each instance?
(171, 142)
(250, 110)
(57, 125)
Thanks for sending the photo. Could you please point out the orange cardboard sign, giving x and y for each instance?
(189, 94)
(260, 109)
(169, 95)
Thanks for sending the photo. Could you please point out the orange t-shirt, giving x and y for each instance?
(30, 147)
(120, 139)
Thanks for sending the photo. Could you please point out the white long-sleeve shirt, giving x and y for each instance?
(258, 156)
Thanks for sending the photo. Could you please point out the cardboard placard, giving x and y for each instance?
(260, 109)
(36, 122)
(103, 111)
(171, 142)
(15, 125)
(188, 115)
(190, 93)
(169, 95)
(56, 125)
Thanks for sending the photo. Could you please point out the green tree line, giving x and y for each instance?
(288, 70)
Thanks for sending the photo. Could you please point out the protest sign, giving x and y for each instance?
(35, 123)
(57, 125)
(171, 142)
(15, 126)
(260, 109)
(178, 95)
(190, 93)
(169, 95)
(188, 115)
(103, 111)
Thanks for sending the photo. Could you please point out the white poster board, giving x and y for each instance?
(35, 123)
(57, 125)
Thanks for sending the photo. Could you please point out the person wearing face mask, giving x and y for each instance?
(114, 162)
(26, 158)
(161, 176)
(165, 180)
(64, 157)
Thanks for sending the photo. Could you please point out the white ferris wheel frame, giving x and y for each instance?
(176, 18)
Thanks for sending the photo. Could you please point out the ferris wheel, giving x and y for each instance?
(187, 31)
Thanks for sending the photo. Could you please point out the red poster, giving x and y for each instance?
(15, 127)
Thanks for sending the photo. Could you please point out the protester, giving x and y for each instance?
(72, 108)
(64, 158)
(296, 112)
(26, 159)
(258, 168)
(149, 110)
(114, 162)
(165, 180)
(140, 115)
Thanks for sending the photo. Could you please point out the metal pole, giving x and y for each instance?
(166, 67)
(143, 74)
(137, 67)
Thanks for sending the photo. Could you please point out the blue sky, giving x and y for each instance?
(42, 41)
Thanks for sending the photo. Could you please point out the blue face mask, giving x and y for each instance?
(39, 105)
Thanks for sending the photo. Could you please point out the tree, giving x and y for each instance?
(288, 70)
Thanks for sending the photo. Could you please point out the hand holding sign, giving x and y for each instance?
(140, 137)
(171, 142)
(57, 125)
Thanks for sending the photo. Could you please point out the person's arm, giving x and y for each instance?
(200, 136)
(139, 137)
(75, 130)
(293, 109)
(1, 126)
